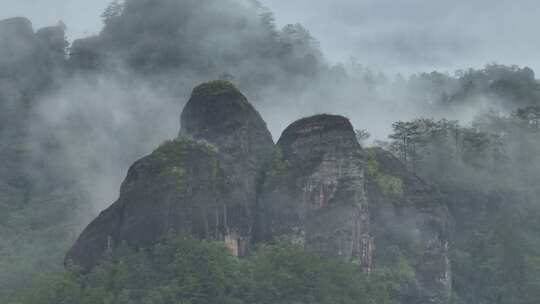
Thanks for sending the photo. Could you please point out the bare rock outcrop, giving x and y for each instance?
(16, 40)
(201, 184)
(315, 193)
(410, 225)
(25, 72)
(224, 179)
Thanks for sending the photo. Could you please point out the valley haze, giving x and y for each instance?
(401, 137)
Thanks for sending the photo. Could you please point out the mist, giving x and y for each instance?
(127, 102)
(392, 36)
(111, 89)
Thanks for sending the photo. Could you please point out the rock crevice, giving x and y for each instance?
(319, 198)
(224, 179)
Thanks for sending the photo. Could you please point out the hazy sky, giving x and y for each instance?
(392, 35)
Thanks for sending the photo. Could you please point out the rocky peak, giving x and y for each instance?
(17, 38)
(215, 110)
(52, 37)
(201, 184)
(223, 179)
(219, 113)
(315, 192)
(86, 53)
(317, 125)
(28, 59)
(16, 27)
(308, 140)
(16, 41)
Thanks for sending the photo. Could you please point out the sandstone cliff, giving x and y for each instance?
(224, 179)
(409, 222)
(40, 205)
(201, 184)
(315, 190)
(26, 69)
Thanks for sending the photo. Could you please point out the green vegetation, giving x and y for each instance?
(172, 152)
(391, 186)
(174, 149)
(176, 172)
(279, 165)
(396, 275)
(176, 175)
(372, 167)
(487, 175)
(216, 170)
(214, 87)
(184, 270)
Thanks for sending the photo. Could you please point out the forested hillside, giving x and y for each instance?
(75, 115)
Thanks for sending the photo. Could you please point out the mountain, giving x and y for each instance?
(223, 179)
(202, 183)
(410, 221)
(40, 207)
(447, 205)
(315, 191)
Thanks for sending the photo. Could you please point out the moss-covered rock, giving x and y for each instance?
(314, 193)
(201, 184)
(372, 167)
(409, 218)
(279, 165)
(174, 149)
(390, 185)
(214, 87)
(224, 179)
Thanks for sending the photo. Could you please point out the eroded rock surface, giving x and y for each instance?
(410, 225)
(25, 72)
(218, 113)
(16, 40)
(201, 184)
(223, 179)
(178, 188)
(315, 190)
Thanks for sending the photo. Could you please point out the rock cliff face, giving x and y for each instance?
(24, 53)
(201, 184)
(16, 40)
(409, 222)
(25, 71)
(223, 179)
(315, 190)
(221, 115)
(218, 113)
(180, 187)
(40, 205)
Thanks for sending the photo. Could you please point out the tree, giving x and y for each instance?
(362, 135)
(185, 270)
(112, 12)
(529, 115)
(407, 138)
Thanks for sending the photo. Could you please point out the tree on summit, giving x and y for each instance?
(112, 12)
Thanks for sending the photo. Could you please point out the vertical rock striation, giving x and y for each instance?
(25, 72)
(201, 184)
(223, 179)
(218, 113)
(409, 223)
(314, 191)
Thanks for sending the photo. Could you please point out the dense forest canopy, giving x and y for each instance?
(184, 270)
(74, 116)
(235, 39)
